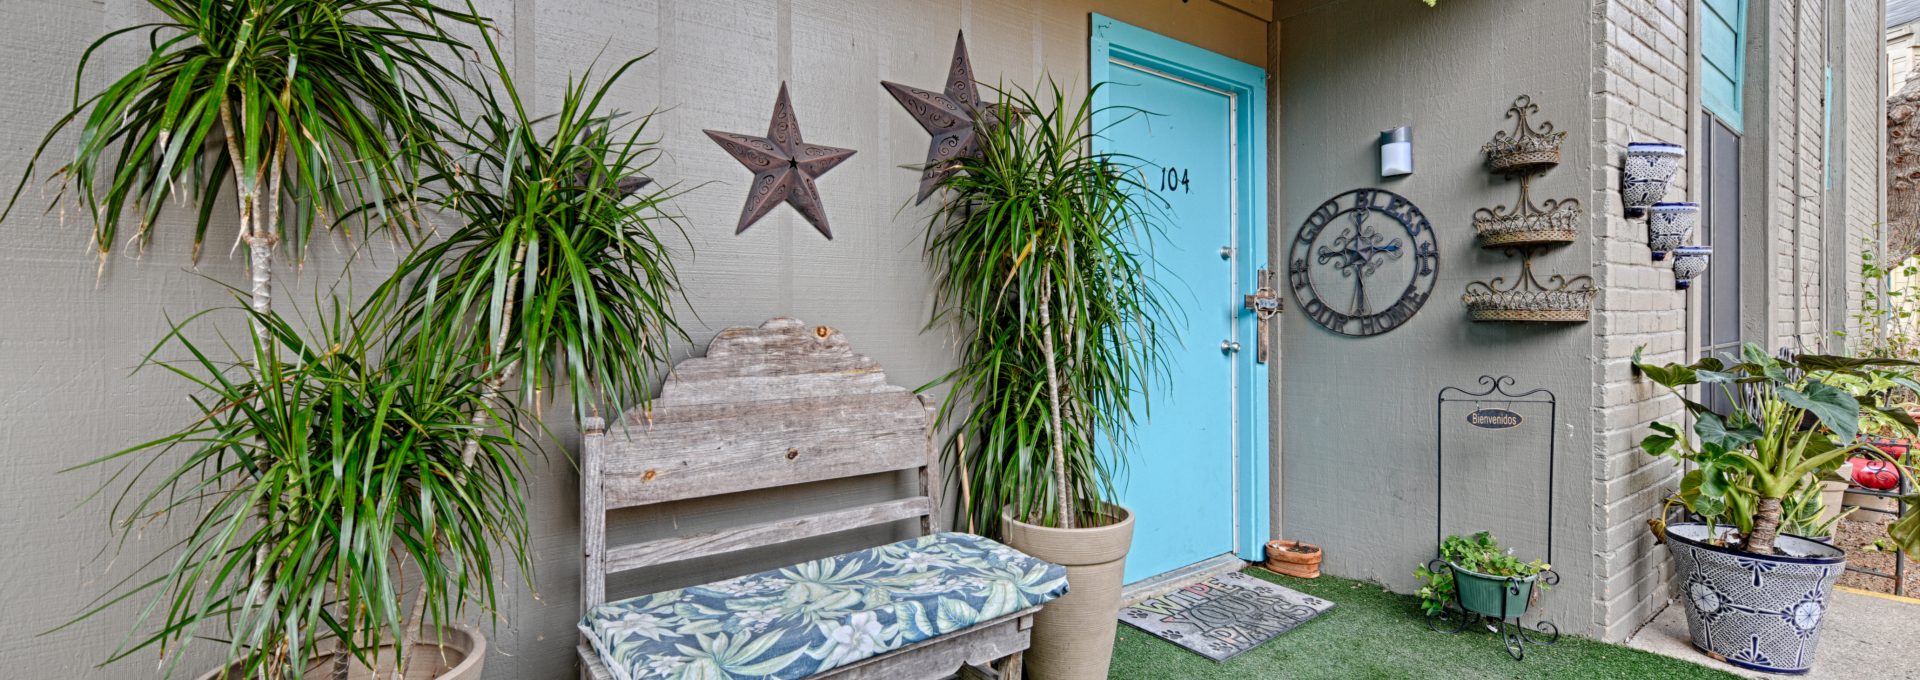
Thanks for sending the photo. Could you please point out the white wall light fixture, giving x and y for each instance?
(1396, 152)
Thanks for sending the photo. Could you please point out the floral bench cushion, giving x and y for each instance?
(816, 616)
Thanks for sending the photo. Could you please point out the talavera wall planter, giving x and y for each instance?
(1669, 225)
(1648, 173)
(1689, 262)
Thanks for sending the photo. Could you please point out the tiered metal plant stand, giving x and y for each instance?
(1514, 634)
(1528, 229)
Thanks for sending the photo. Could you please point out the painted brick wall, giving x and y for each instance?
(1640, 93)
(1810, 254)
(1795, 120)
(1864, 206)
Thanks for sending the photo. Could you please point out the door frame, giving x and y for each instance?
(1247, 84)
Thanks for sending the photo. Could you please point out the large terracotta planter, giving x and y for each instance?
(1073, 635)
(456, 654)
(1760, 612)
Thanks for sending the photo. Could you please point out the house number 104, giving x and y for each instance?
(1175, 179)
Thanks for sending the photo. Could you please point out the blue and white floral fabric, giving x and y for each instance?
(820, 615)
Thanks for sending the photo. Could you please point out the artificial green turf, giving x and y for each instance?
(1372, 633)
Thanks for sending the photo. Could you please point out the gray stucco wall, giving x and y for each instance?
(1359, 414)
(67, 343)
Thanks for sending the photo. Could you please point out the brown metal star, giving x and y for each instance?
(783, 166)
(954, 117)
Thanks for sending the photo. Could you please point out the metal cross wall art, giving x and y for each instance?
(1347, 243)
(954, 116)
(784, 167)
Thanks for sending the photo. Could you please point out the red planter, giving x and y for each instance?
(1875, 474)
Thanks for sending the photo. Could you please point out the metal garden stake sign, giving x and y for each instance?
(784, 167)
(1506, 621)
(1490, 418)
(1364, 262)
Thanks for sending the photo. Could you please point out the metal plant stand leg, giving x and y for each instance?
(1899, 573)
(1514, 633)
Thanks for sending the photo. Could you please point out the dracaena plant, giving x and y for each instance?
(561, 270)
(312, 485)
(1794, 422)
(562, 261)
(1042, 250)
(304, 109)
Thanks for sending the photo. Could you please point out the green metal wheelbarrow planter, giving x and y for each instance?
(1497, 602)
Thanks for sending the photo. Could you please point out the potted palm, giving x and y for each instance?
(1038, 246)
(1755, 595)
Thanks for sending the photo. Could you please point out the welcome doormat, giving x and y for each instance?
(1221, 616)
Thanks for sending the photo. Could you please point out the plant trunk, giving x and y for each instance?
(261, 236)
(1766, 527)
(1063, 496)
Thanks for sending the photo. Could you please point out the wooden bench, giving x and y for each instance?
(773, 406)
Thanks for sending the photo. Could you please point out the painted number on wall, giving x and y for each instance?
(1175, 180)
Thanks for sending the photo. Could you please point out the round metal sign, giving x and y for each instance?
(1364, 262)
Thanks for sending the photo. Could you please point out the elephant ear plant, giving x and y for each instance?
(1796, 422)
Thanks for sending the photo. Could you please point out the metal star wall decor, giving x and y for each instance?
(954, 117)
(784, 167)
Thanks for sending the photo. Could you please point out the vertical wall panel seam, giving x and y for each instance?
(783, 53)
(525, 35)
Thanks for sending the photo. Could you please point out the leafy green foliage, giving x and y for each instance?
(1799, 422)
(1043, 246)
(321, 104)
(561, 269)
(1888, 320)
(1480, 553)
(378, 452)
(338, 465)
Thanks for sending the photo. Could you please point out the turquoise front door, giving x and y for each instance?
(1197, 475)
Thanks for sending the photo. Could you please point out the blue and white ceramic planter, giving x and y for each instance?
(1760, 612)
(1648, 172)
(1669, 225)
(1688, 263)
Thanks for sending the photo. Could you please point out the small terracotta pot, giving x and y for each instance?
(1293, 558)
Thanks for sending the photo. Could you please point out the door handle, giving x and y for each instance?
(1265, 304)
(1229, 346)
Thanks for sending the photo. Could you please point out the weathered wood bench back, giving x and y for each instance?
(782, 404)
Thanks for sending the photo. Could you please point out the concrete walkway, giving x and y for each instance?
(1867, 635)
